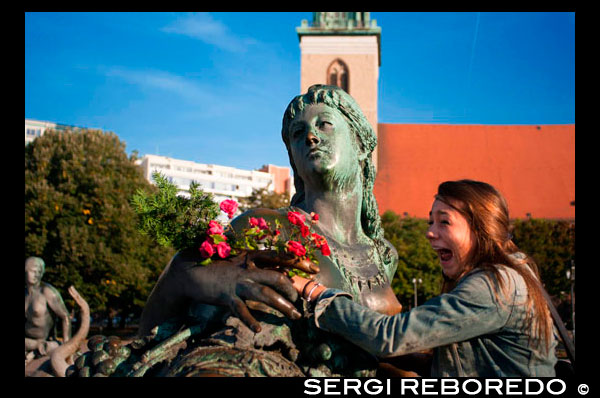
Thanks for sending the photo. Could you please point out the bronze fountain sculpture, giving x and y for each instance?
(239, 318)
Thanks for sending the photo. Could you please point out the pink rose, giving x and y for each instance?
(223, 249)
(253, 221)
(296, 218)
(214, 228)
(206, 249)
(262, 224)
(229, 206)
(296, 248)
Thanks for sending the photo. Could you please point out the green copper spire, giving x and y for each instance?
(340, 23)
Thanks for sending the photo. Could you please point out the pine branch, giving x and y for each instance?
(173, 220)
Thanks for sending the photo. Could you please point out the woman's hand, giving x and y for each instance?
(309, 289)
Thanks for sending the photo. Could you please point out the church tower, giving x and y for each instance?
(343, 49)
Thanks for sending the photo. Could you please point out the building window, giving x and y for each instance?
(338, 75)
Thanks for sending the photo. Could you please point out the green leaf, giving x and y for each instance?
(205, 261)
(218, 238)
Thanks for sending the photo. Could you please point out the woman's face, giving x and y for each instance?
(321, 142)
(451, 237)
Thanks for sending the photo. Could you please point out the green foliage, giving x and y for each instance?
(416, 258)
(261, 197)
(182, 223)
(78, 219)
(173, 220)
(552, 246)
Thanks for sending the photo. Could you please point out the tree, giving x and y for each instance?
(551, 244)
(261, 197)
(416, 258)
(78, 185)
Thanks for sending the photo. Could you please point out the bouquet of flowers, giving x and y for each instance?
(185, 223)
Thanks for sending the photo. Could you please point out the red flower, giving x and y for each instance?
(325, 249)
(214, 228)
(319, 240)
(296, 218)
(304, 231)
(262, 224)
(314, 216)
(206, 249)
(229, 206)
(277, 232)
(296, 248)
(258, 222)
(223, 249)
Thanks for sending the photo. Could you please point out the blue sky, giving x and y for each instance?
(212, 87)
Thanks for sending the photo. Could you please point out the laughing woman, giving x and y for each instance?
(491, 319)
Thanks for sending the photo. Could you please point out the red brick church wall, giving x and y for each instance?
(533, 166)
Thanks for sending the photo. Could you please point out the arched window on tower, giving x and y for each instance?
(337, 75)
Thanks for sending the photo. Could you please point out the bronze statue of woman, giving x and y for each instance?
(259, 327)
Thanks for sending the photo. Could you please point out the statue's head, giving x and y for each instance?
(342, 105)
(34, 270)
(362, 139)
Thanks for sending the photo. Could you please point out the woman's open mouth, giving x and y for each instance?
(444, 254)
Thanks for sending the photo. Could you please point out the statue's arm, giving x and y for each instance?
(165, 300)
(227, 282)
(57, 305)
(181, 282)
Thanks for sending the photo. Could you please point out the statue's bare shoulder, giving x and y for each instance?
(49, 291)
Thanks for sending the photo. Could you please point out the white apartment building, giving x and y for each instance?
(222, 181)
(36, 128)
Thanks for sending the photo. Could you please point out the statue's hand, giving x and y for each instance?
(252, 276)
(270, 259)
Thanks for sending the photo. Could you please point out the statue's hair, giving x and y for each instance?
(37, 261)
(366, 141)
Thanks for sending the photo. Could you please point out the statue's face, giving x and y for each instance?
(321, 142)
(33, 273)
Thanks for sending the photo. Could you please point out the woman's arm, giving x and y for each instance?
(468, 311)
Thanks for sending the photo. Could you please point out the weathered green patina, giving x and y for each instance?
(196, 321)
